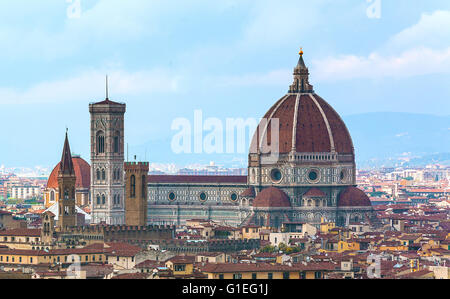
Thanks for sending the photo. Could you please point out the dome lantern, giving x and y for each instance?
(301, 77)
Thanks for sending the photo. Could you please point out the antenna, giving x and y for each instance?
(107, 91)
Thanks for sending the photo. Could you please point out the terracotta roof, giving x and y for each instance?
(249, 192)
(82, 172)
(264, 267)
(179, 259)
(353, 197)
(314, 192)
(132, 276)
(272, 197)
(22, 232)
(107, 102)
(313, 127)
(206, 179)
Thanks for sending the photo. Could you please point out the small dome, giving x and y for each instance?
(82, 172)
(314, 192)
(249, 192)
(353, 197)
(272, 198)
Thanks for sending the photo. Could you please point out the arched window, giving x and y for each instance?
(103, 174)
(118, 199)
(103, 199)
(52, 196)
(132, 186)
(98, 199)
(66, 194)
(143, 187)
(116, 142)
(98, 175)
(100, 142)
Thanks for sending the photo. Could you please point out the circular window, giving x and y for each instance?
(202, 196)
(313, 175)
(233, 197)
(276, 175)
(172, 196)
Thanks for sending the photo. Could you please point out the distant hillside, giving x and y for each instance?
(380, 137)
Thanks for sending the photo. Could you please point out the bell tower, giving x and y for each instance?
(107, 158)
(66, 185)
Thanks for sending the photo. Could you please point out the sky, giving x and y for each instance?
(229, 58)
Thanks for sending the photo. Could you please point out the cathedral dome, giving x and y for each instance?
(307, 123)
(82, 172)
(353, 197)
(272, 198)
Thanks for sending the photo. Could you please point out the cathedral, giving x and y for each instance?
(311, 177)
(303, 171)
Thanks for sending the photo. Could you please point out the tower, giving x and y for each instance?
(136, 193)
(66, 188)
(107, 160)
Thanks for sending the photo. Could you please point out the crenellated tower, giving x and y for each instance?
(136, 193)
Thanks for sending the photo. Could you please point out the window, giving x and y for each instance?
(52, 196)
(270, 276)
(202, 196)
(116, 142)
(313, 175)
(237, 276)
(103, 174)
(100, 142)
(253, 275)
(172, 196)
(276, 175)
(98, 199)
(302, 275)
(103, 199)
(220, 276)
(317, 275)
(180, 268)
(143, 186)
(132, 186)
(233, 197)
(98, 175)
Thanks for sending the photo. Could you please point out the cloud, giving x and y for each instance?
(89, 84)
(421, 49)
(415, 62)
(271, 78)
(432, 30)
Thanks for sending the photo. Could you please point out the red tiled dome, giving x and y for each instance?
(314, 192)
(82, 172)
(353, 197)
(316, 125)
(249, 192)
(272, 198)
